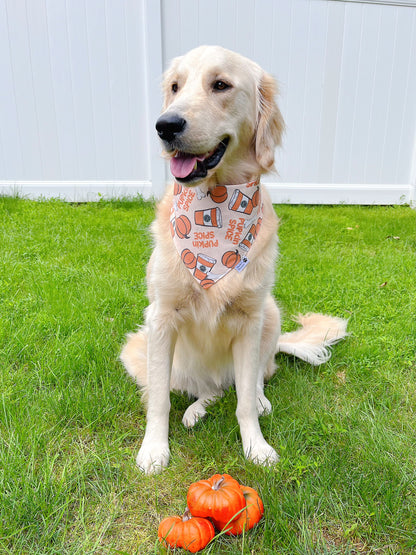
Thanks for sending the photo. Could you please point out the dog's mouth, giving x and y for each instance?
(187, 167)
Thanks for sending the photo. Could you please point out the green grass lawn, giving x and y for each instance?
(71, 422)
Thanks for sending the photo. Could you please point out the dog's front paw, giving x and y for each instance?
(152, 459)
(262, 453)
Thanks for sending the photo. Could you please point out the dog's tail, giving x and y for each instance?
(312, 341)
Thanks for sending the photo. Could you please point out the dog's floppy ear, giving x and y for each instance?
(270, 124)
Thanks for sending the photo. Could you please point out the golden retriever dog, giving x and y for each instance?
(211, 320)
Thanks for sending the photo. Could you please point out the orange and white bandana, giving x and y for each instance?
(214, 232)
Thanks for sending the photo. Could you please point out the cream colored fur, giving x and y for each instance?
(203, 340)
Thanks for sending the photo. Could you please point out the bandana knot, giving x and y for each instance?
(213, 232)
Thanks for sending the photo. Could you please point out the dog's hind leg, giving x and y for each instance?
(197, 410)
(263, 405)
(267, 366)
(134, 356)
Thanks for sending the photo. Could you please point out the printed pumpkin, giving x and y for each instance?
(220, 497)
(219, 194)
(248, 518)
(188, 258)
(189, 532)
(230, 259)
(206, 283)
(183, 227)
(177, 188)
(258, 225)
(255, 198)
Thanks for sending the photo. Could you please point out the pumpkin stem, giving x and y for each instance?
(186, 515)
(216, 485)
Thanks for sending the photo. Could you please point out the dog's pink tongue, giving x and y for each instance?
(182, 165)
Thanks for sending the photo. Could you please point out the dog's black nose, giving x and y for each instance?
(169, 125)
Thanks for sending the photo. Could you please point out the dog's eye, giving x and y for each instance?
(220, 86)
(174, 87)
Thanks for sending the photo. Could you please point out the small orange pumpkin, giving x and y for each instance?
(189, 532)
(177, 188)
(248, 518)
(219, 194)
(258, 225)
(188, 258)
(206, 283)
(219, 497)
(255, 198)
(183, 227)
(230, 259)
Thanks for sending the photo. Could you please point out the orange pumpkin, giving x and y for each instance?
(188, 258)
(255, 198)
(230, 259)
(188, 532)
(219, 497)
(258, 225)
(183, 227)
(219, 194)
(206, 283)
(177, 188)
(248, 518)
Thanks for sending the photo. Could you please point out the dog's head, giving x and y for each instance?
(220, 117)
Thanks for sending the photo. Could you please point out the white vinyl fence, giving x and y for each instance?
(80, 92)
